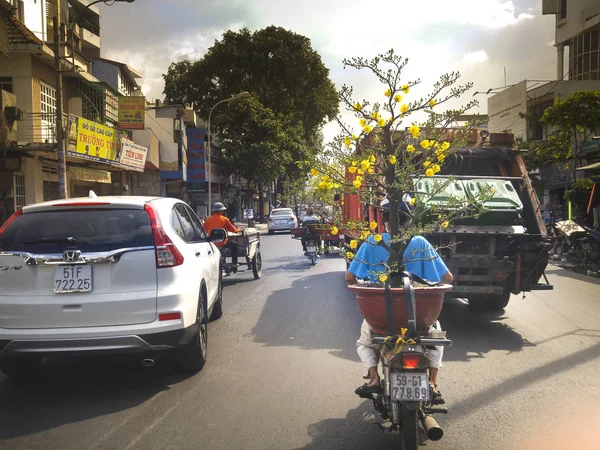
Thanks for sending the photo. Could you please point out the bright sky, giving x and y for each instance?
(480, 38)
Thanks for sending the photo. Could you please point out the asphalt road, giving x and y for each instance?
(282, 369)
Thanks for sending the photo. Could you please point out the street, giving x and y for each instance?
(282, 369)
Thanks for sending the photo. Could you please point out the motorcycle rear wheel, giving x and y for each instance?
(410, 428)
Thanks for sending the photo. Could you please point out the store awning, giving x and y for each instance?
(595, 166)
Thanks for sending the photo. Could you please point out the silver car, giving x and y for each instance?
(282, 219)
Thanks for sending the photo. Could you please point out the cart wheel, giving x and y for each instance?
(257, 265)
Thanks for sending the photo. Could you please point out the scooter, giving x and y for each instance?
(312, 249)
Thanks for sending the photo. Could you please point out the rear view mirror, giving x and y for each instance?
(218, 235)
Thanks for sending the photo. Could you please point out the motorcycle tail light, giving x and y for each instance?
(411, 360)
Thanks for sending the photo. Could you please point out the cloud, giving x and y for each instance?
(477, 37)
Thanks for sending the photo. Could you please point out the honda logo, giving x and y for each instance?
(71, 255)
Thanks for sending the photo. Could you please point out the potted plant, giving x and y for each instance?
(388, 157)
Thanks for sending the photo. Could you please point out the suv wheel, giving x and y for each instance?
(192, 357)
(20, 368)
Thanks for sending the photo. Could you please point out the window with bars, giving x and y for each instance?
(584, 63)
(19, 190)
(48, 110)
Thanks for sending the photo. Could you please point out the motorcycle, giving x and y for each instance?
(312, 249)
(405, 397)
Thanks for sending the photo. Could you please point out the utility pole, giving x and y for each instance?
(60, 145)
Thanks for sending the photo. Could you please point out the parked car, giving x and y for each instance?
(281, 219)
(104, 275)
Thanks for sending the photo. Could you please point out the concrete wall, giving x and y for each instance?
(145, 183)
(148, 139)
(19, 67)
(169, 149)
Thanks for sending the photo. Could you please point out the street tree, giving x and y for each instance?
(575, 119)
(288, 83)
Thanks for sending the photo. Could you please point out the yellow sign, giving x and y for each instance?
(132, 112)
(92, 141)
(83, 174)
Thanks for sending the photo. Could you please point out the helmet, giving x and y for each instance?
(218, 207)
(385, 205)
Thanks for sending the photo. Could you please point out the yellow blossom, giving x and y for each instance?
(337, 185)
(436, 168)
(357, 183)
(429, 172)
(392, 159)
(425, 144)
(391, 119)
(334, 230)
(357, 107)
(378, 238)
(397, 98)
(410, 148)
(353, 137)
(388, 93)
(361, 172)
(365, 164)
(375, 115)
(347, 141)
(404, 108)
(364, 235)
(349, 255)
(405, 88)
(413, 201)
(353, 244)
(354, 163)
(444, 224)
(371, 170)
(352, 169)
(427, 163)
(383, 278)
(362, 122)
(414, 131)
(325, 177)
(322, 185)
(372, 159)
(381, 122)
(441, 157)
(329, 186)
(367, 129)
(432, 102)
(445, 146)
(373, 225)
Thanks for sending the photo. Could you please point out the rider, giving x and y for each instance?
(420, 259)
(218, 220)
(308, 219)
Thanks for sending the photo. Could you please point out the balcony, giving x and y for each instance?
(38, 130)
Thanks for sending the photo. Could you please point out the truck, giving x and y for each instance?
(505, 250)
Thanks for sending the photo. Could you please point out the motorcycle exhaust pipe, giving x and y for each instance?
(432, 428)
(148, 362)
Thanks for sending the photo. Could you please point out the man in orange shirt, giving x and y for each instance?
(218, 220)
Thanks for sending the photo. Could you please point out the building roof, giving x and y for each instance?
(15, 31)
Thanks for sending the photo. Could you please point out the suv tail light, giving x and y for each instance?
(269, 220)
(167, 254)
(10, 220)
(291, 219)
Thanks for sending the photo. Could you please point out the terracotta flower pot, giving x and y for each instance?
(371, 303)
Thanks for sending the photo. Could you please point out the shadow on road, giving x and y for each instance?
(356, 431)
(476, 334)
(317, 311)
(74, 390)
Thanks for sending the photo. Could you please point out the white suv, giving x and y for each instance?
(105, 275)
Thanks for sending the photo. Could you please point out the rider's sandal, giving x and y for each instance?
(366, 391)
(437, 398)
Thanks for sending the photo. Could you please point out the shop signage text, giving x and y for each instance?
(83, 174)
(132, 113)
(133, 156)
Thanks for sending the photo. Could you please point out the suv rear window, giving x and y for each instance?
(88, 230)
(281, 212)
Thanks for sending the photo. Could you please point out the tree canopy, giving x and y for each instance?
(292, 97)
(575, 119)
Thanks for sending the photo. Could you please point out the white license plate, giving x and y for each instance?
(410, 387)
(73, 278)
(311, 249)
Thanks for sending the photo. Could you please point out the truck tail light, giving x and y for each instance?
(167, 254)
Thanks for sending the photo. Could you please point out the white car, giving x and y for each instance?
(104, 275)
(281, 219)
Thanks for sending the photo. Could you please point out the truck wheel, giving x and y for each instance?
(257, 265)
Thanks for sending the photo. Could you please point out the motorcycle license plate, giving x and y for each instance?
(410, 387)
(311, 249)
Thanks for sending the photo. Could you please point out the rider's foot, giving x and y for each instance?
(366, 390)
(436, 396)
